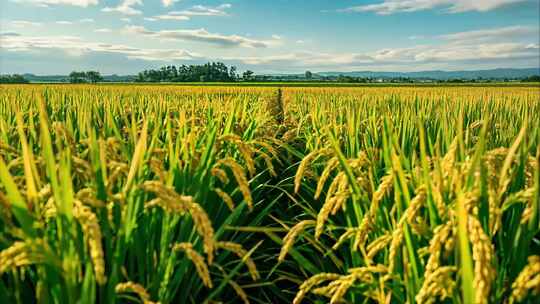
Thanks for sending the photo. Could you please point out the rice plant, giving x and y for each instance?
(124, 194)
(414, 195)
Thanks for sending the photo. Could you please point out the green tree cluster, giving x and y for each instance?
(84, 77)
(535, 78)
(211, 71)
(15, 78)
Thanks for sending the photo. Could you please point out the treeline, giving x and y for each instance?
(15, 78)
(535, 78)
(84, 77)
(209, 72)
(219, 72)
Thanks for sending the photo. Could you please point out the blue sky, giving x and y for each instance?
(278, 36)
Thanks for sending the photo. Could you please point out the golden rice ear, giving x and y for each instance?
(220, 174)
(450, 157)
(336, 196)
(225, 197)
(340, 284)
(415, 204)
(135, 288)
(241, 180)
(198, 261)
(395, 246)
(21, 253)
(88, 196)
(173, 202)
(92, 234)
(368, 220)
(328, 290)
(377, 245)
(247, 155)
(243, 254)
(268, 161)
(442, 234)
(483, 255)
(527, 280)
(332, 164)
(387, 182)
(288, 240)
(239, 291)
(342, 289)
(439, 284)
(349, 233)
(245, 150)
(310, 283)
(305, 163)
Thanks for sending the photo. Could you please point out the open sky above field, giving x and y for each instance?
(279, 36)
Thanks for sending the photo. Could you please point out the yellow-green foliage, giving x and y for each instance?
(416, 195)
(112, 179)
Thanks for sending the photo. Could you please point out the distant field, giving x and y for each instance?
(270, 193)
(326, 84)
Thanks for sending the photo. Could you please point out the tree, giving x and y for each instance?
(232, 73)
(93, 76)
(77, 77)
(534, 78)
(309, 75)
(247, 75)
(211, 71)
(13, 79)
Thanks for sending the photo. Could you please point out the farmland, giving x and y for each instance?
(238, 194)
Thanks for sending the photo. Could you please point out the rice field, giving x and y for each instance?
(167, 194)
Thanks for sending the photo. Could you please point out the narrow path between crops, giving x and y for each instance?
(279, 103)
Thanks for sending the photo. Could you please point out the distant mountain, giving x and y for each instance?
(65, 78)
(444, 75)
(46, 78)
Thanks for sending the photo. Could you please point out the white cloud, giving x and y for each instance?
(75, 46)
(401, 58)
(125, 19)
(25, 23)
(168, 17)
(496, 34)
(81, 3)
(202, 35)
(64, 22)
(442, 53)
(473, 48)
(125, 7)
(491, 52)
(197, 10)
(388, 7)
(87, 20)
(201, 10)
(306, 59)
(168, 3)
(103, 30)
